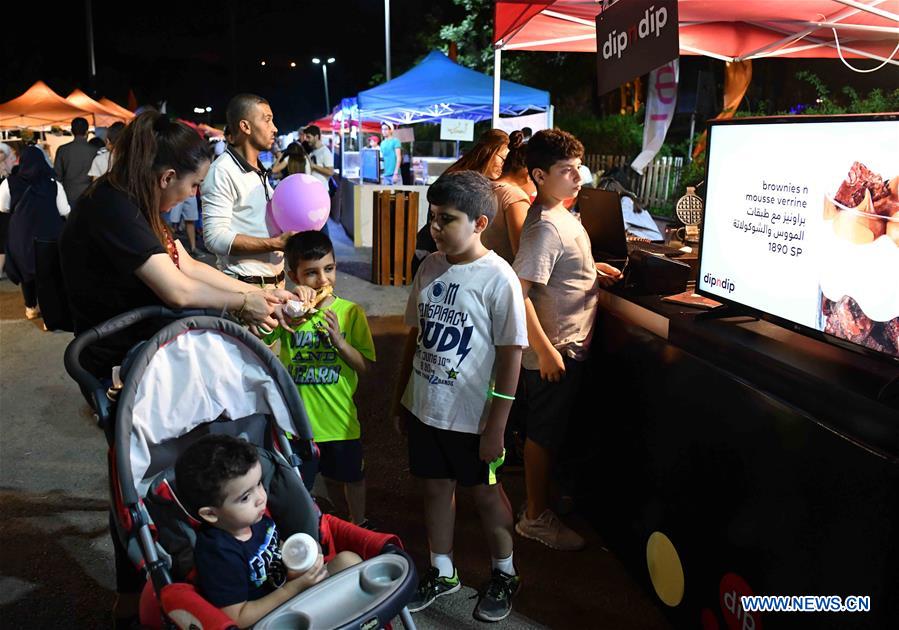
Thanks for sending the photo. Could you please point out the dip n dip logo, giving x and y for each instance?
(654, 20)
(633, 38)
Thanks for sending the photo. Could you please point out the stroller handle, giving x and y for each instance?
(89, 383)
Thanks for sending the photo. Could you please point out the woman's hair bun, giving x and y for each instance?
(516, 139)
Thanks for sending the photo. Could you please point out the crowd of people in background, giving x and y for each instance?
(499, 230)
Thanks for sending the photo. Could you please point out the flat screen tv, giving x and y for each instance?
(801, 225)
(371, 166)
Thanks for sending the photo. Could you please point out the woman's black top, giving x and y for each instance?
(105, 240)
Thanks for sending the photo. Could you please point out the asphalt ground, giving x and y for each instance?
(56, 564)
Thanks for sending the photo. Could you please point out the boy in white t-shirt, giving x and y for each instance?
(461, 363)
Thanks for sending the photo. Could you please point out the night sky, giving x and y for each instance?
(201, 53)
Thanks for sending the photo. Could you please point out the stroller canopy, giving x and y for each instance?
(195, 371)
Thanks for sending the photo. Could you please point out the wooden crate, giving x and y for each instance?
(394, 228)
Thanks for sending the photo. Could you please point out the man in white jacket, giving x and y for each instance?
(235, 195)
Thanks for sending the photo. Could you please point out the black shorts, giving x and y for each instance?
(547, 407)
(441, 454)
(340, 461)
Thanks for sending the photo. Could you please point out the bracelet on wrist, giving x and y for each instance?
(246, 296)
(496, 394)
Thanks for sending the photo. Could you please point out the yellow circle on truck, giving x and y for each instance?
(665, 569)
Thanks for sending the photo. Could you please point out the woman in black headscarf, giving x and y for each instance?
(38, 204)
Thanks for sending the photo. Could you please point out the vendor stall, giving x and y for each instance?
(734, 457)
(435, 89)
(752, 452)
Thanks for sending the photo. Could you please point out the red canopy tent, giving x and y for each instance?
(328, 122)
(205, 131)
(39, 108)
(211, 132)
(730, 30)
(104, 116)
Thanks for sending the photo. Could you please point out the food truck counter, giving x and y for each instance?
(735, 457)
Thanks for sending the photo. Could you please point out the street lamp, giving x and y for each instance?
(324, 65)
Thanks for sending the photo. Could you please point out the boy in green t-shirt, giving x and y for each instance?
(325, 355)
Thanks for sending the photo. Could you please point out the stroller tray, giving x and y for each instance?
(366, 596)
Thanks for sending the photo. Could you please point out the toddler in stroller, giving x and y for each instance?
(238, 556)
(205, 375)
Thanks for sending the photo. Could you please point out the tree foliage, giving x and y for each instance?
(473, 36)
(620, 134)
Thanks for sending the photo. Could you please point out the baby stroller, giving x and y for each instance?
(204, 374)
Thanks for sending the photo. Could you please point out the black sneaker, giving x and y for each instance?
(431, 587)
(495, 601)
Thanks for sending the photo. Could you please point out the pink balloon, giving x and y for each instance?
(270, 224)
(300, 203)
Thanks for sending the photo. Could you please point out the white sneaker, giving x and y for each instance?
(548, 529)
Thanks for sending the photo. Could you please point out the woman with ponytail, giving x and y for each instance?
(118, 254)
(513, 189)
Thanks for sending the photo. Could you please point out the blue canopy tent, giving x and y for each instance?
(436, 88)
(440, 88)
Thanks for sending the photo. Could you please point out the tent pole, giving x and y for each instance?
(497, 69)
(358, 140)
(692, 131)
(387, 38)
(342, 147)
(869, 9)
(90, 43)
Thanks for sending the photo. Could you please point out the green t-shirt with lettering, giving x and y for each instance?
(325, 381)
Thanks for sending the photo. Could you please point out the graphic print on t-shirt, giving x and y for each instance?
(325, 381)
(444, 335)
(266, 563)
(316, 360)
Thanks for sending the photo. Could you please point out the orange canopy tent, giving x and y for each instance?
(39, 108)
(116, 108)
(103, 115)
